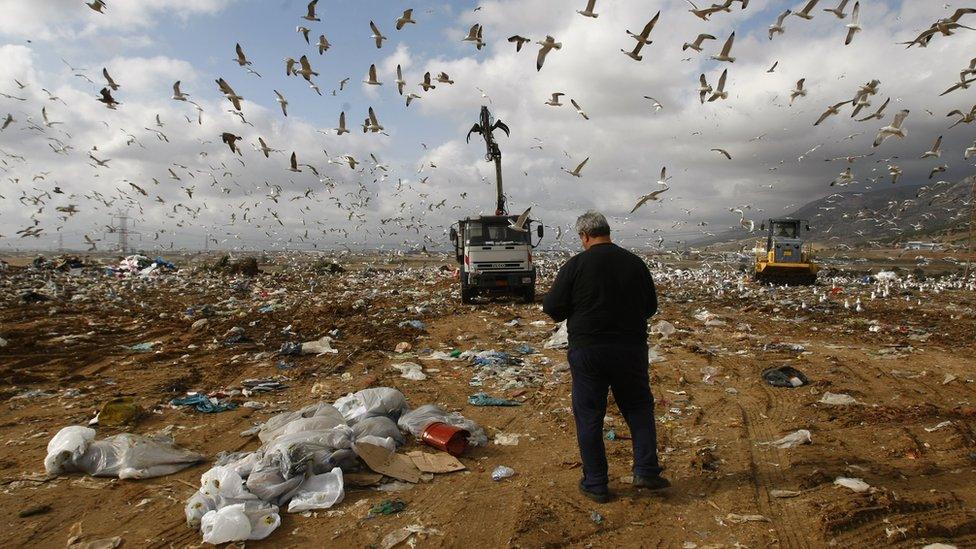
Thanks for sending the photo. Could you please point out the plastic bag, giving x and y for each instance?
(125, 456)
(223, 482)
(560, 339)
(252, 520)
(318, 492)
(294, 452)
(273, 426)
(196, 507)
(269, 484)
(377, 401)
(417, 420)
(380, 426)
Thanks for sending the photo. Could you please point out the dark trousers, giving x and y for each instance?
(622, 368)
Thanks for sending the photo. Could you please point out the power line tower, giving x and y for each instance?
(122, 229)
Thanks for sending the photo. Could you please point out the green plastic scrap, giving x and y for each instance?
(483, 399)
(388, 507)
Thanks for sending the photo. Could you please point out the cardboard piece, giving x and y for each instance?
(388, 463)
(441, 462)
(361, 479)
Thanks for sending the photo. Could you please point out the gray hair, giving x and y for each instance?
(593, 224)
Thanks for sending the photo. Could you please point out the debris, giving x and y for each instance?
(792, 440)
(596, 517)
(119, 411)
(855, 484)
(663, 328)
(417, 421)
(506, 439)
(411, 370)
(836, 399)
(387, 507)
(435, 463)
(785, 376)
(125, 456)
(937, 427)
(389, 463)
(321, 346)
(449, 438)
(784, 493)
(740, 519)
(560, 338)
(203, 403)
(318, 492)
(34, 510)
(502, 472)
(483, 399)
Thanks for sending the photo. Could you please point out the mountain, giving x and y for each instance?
(884, 216)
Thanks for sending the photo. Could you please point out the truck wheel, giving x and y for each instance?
(467, 295)
(529, 295)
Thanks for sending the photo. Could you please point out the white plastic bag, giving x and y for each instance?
(125, 456)
(560, 339)
(226, 525)
(69, 444)
(318, 492)
(376, 401)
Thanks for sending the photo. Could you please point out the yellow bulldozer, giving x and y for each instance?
(782, 257)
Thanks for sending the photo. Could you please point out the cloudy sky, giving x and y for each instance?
(425, 176)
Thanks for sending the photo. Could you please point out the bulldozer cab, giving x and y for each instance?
(785, 258)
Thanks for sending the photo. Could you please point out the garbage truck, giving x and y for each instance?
(494, 252)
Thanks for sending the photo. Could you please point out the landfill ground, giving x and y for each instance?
(907, 359)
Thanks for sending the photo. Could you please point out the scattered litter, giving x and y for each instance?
(855, 484)
(785, 376)
(837, 399)
(740, 519)
(784, 493)
(318, 492)
(321, 346)
(387, 508)
(663, 328)
(435, 463)
(502, 472)
(203, 403)
(411, 371)
(506, 439)
(792, 440)
(937, 427)
(560, 338)
(596, 517)
(483, 399)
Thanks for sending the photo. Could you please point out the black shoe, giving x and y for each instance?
(599, 497)
(651, 483)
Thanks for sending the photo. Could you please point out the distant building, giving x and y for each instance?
(927, 246)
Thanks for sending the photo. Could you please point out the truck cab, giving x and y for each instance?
(494, 258)
(783, 257)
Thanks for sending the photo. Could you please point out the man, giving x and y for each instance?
(606, 293)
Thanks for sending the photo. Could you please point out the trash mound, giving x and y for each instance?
(305, 455)
(140, 265)
(247, 266)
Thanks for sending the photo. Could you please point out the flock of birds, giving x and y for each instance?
(412, 217)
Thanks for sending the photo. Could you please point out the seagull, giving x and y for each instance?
(970, 152)
(579, 109)
(342, 124)
(229, 93)
(310, 16)
(854, 26)
(400, 82)
(588, 12)
(97, 5)
(519, 224)
(720, 92)
(265, 148)
(290, 66)
(805, 12)
(426, 85)
(652, 196)
(894, 130)
(936, 151)
(372, 77)
(635, 54)
(306, 71)
(843, 179)
(548, 45)
(962, 84)
(938, 169)
(404, 19)
(294, 164)
(241, 58)
(377, 35)
(374, 124)
(304, 31)
(831, 110)
(664, 177)
(231, 141)
(107, 99)
(773, 68)
(839, 10)
(351, 161)
(726, 50)
(798, 91)
(323, 44)
(443, 78)
(411, 97)
(578, 172)
(879, 115)
(474, 35)
(7, 121)
(47, 122)
(644, 37)
(111, 83)
(519, 41)
(723, 152)
(697, 44)
(101, 163)
(777, 27)
(704, 88)
(656, 104)
(283, 102)
(554, 100)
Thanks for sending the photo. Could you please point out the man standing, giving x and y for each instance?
(607, 295)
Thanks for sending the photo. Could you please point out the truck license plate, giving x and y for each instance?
(788, 254)
(501, 283)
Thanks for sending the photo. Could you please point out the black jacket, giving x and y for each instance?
(607, 294)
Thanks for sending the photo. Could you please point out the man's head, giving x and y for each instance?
(593, 229)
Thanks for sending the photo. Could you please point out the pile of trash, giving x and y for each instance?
(504, 369)
(306, 453)
(140, 265)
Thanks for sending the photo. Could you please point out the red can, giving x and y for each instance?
(446, 437)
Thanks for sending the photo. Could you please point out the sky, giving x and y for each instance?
(419, 175)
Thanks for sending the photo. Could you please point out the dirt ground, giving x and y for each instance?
(906, 358)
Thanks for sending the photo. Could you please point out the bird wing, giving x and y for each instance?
(372, 73)
(525, 215)
(241, 58)
(176, 89)
(342, 120)
(960, 12)
(108, 78)
(856, 14)
(306, 66)
(727, 48)
(311, 9)
(900, 118)
(590, 4)
(650, 26)
(372, 117)
(938, 143)
(664, 173)
(701, 79)
(641, 202)
(721, 80)
(294, 161)
(583, 163)
(809, 7)
(473, 32)
(782, 17)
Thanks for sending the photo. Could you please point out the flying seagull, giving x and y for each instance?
(310, 16)
(548, 45)
(723, 152)
(519, 41)
(111, 83)
(839, 10)
(554, 100)
(579, 109)
(656, 104)
(652, 196)
(578, 172)
(777, 27)
(831, 110)
(894, 130)
(936, 151)
(697, 44)
(97, 5)
(704, 88)
(372, 77)
(798, 91)
(720, 92)
(342, 124)
(241, 58)
(400, 82)
(231, 141)
(854, 26)
(805, 12)
(293, 167)
(283, 102)
(404, 19)
(588, 12)
(519, 224)
(377, 35)
(304, 31)
(229, 93)
(323, 44)
(725, 54)
(107, 99)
